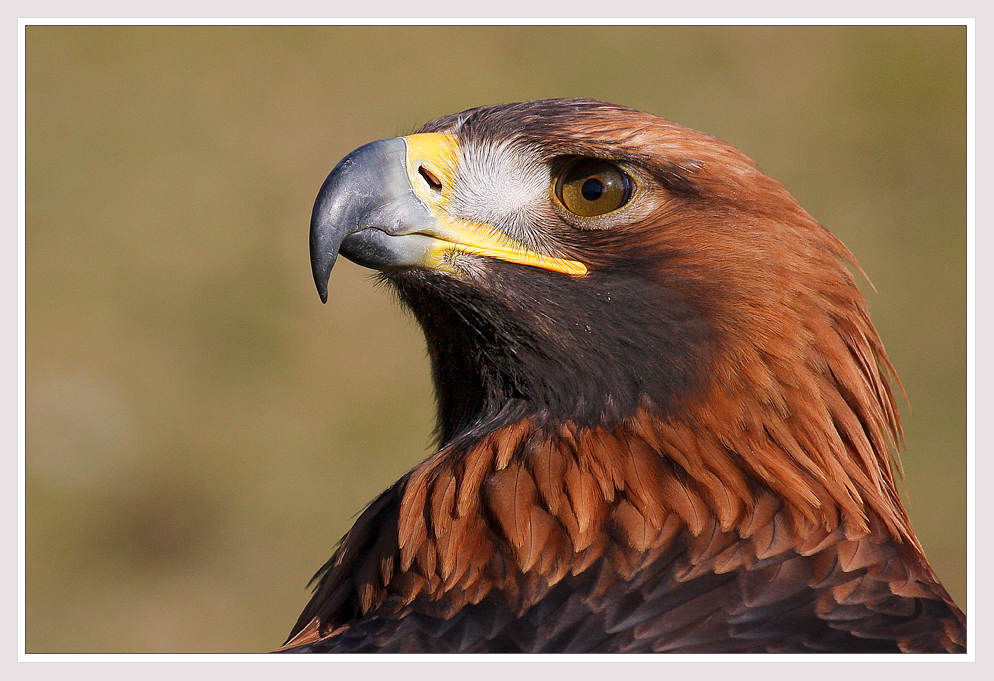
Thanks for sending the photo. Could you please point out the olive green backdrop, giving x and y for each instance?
(200, 429)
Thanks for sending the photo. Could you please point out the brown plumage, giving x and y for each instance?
(665, 428)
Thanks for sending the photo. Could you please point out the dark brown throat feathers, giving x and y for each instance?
(665, 421)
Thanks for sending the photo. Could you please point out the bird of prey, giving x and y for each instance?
(664, 417)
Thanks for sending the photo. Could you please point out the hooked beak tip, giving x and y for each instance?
(321, 277)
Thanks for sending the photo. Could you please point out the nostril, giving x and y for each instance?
(430, 178)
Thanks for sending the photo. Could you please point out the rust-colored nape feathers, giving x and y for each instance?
(804, 403)
(687, 447)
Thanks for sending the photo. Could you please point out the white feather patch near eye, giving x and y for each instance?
(499, 184)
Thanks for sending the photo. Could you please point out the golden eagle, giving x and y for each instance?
(664, 416)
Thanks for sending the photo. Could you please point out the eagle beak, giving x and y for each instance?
(384, 206)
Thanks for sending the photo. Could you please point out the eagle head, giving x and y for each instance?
(576, 261)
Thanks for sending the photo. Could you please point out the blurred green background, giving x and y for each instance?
(200, 429)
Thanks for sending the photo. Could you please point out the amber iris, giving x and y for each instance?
(589, 187)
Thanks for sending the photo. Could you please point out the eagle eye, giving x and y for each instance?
(590, 187)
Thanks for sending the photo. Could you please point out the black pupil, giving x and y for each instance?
(592, 189)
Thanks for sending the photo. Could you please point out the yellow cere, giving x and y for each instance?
(432, 159)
